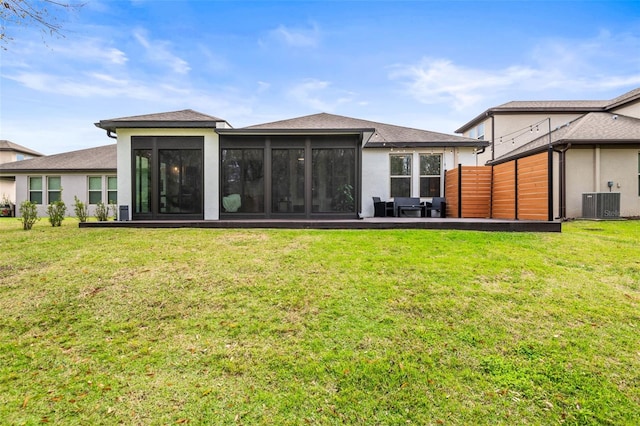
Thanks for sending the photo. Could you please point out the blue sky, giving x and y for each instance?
(427, 64)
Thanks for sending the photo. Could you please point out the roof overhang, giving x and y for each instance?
(113, 125)
(563, 143)
(521, 111)
(270, 132)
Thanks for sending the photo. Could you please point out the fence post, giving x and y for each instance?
(459, 190)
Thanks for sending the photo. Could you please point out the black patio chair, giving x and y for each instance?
(438, 205)
(382, 208)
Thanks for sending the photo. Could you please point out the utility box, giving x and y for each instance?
(601, 205)
(123, 213)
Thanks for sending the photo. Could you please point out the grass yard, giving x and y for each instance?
(294, 327)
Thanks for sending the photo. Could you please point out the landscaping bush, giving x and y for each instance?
(102, 212)
(56, 212)
(28, 214)
(80, 210)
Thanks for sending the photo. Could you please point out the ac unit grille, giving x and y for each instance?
(600, 205)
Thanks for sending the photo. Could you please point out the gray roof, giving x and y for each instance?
(382, 135)
(186, 118)
(6, 145)
(595, 127)
(554, 107)
(102, 158)
(624, 98)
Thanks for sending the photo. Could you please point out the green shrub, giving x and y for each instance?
(114, 210)
(28, 214)
(80, 209)
(56, 212)
(102, 212)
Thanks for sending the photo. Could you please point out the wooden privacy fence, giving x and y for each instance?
(518, 189)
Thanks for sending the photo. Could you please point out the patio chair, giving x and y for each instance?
(382, 208)
(438, 205)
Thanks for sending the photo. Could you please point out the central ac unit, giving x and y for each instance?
(600, 205)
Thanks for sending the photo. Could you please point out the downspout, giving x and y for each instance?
(493, 145)
(550, 176)
(111, 135)
(562, 196)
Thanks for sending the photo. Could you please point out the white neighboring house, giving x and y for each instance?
(189, 165)
(595, 146)
(89, 174)
(10, 152)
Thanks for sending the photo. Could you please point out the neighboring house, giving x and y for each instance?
(89, 174)
(10, 152)
(594, 147)
(189, 165)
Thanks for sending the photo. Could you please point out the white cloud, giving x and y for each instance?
(297, 37)
(159, 51)
(319, 95)
(562, 68)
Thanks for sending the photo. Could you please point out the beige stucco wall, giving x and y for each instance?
(8, 189)
(629, 110)
(376, 169)
(589, 170)
(7, 156)
(211, 161)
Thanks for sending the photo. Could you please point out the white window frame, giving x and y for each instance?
(402, 176)
(94, 191)
(32, 191)
(51, 191)
(112, 190)
(439, 175)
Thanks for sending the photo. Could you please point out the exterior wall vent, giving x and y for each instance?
(601, 205)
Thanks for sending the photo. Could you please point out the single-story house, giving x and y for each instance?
(189, 165)
(10, 152)
(89, 174)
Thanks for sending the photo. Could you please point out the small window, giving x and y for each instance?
(95, 189)
(19, 157)
(480, 131)
(112, 189)
(401, 175)
(54, 189)
(35, 189)
(430, 171)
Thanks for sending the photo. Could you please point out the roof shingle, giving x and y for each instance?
(6, 145)
(383, 135)
(102, 158)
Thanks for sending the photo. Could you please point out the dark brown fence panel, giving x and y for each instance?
(476, 191)
(533, 187)
(504, 191)
(451, 192)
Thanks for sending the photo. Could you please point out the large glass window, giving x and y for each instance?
(112, 189)
(142, 192)
(243, 180)
(95, 189)
(287, 180)
(333, 180)
(430, 171)
(54, 189)
(35, 189)
(180, 173)
(400, 175)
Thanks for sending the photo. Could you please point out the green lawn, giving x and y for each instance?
(139, 326)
